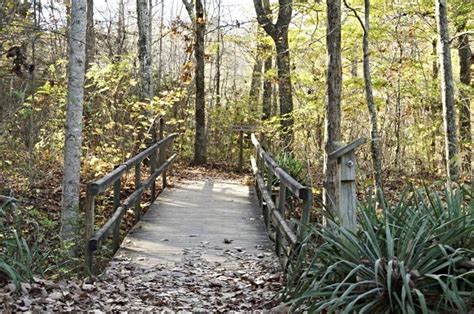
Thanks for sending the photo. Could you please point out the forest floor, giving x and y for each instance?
(190, 285)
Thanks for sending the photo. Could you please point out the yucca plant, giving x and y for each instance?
(414, 258)
(290, 164)
(17, 261)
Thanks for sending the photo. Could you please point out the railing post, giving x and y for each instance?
(346, 160)
(137, 186)
(241, 151)
(281, 209)
(89, 224)
(162, 151)
(268, 214)
(348, 198)
(305, 215)
(116, 236)
(152, 171)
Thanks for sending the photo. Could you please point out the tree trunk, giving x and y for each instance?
(256, 84)
(447, 90)
(197, 17)
(160, 47)
(218, 55)
(121, 29)
(267, 89)
(284, 79)
(333, 105)
(279, 33)
(375, 138)
(374, 133)
(73, 129)
(144, 56)
(465, 54)
(90, 35)
(267, 66)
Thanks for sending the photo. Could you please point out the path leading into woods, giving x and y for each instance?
(201, 247)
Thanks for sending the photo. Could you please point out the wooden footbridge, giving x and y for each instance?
(208, 215)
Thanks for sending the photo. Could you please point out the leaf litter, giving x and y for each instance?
(243, 282)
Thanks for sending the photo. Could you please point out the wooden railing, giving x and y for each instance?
(266, 169)
(267, 173)
(158, 164)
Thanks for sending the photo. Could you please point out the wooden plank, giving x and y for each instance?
(290, 183)
(345, 149)
(173, 217)
(284, 228)
(348, 198)
(243, 128)
(89, 225)
(116, 239)
(241, 151)
(138, 184)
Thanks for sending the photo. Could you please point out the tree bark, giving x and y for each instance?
(267, 66)
(256, 84)
(73, 129)
(144, 53)
(374, 133)
(267, 89)
(90, 34)
(375, 137)
(279, 33)
(121, 29)
(218, 55)
(447, 90)
(196, 14)
(465, 55)
(333, 105)
(160, 47)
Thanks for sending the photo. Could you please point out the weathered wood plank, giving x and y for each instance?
(197, 216)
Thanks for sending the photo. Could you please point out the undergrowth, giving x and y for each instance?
(417, 257)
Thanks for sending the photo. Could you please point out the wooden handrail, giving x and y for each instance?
(101, 235)
(103, 183)
(292, 184)
(93, 239)
(274, 214)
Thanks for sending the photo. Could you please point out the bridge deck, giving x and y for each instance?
(209, 218)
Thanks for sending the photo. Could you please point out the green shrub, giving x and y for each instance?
(19, 260)
(411, 259)
(291, 165)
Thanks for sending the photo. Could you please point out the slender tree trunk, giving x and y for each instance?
(256, 84)
(200, 141)
(121, 29)
(196, 14)
(218, 55)
(160, 45)
(374, 133)
(447, 90)
(73, 130)
(267, 89)
(284, 76)
(332, 132)
(375, 137)
(465, 55)
(90, 34)
(267, 66)
(144, 56)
